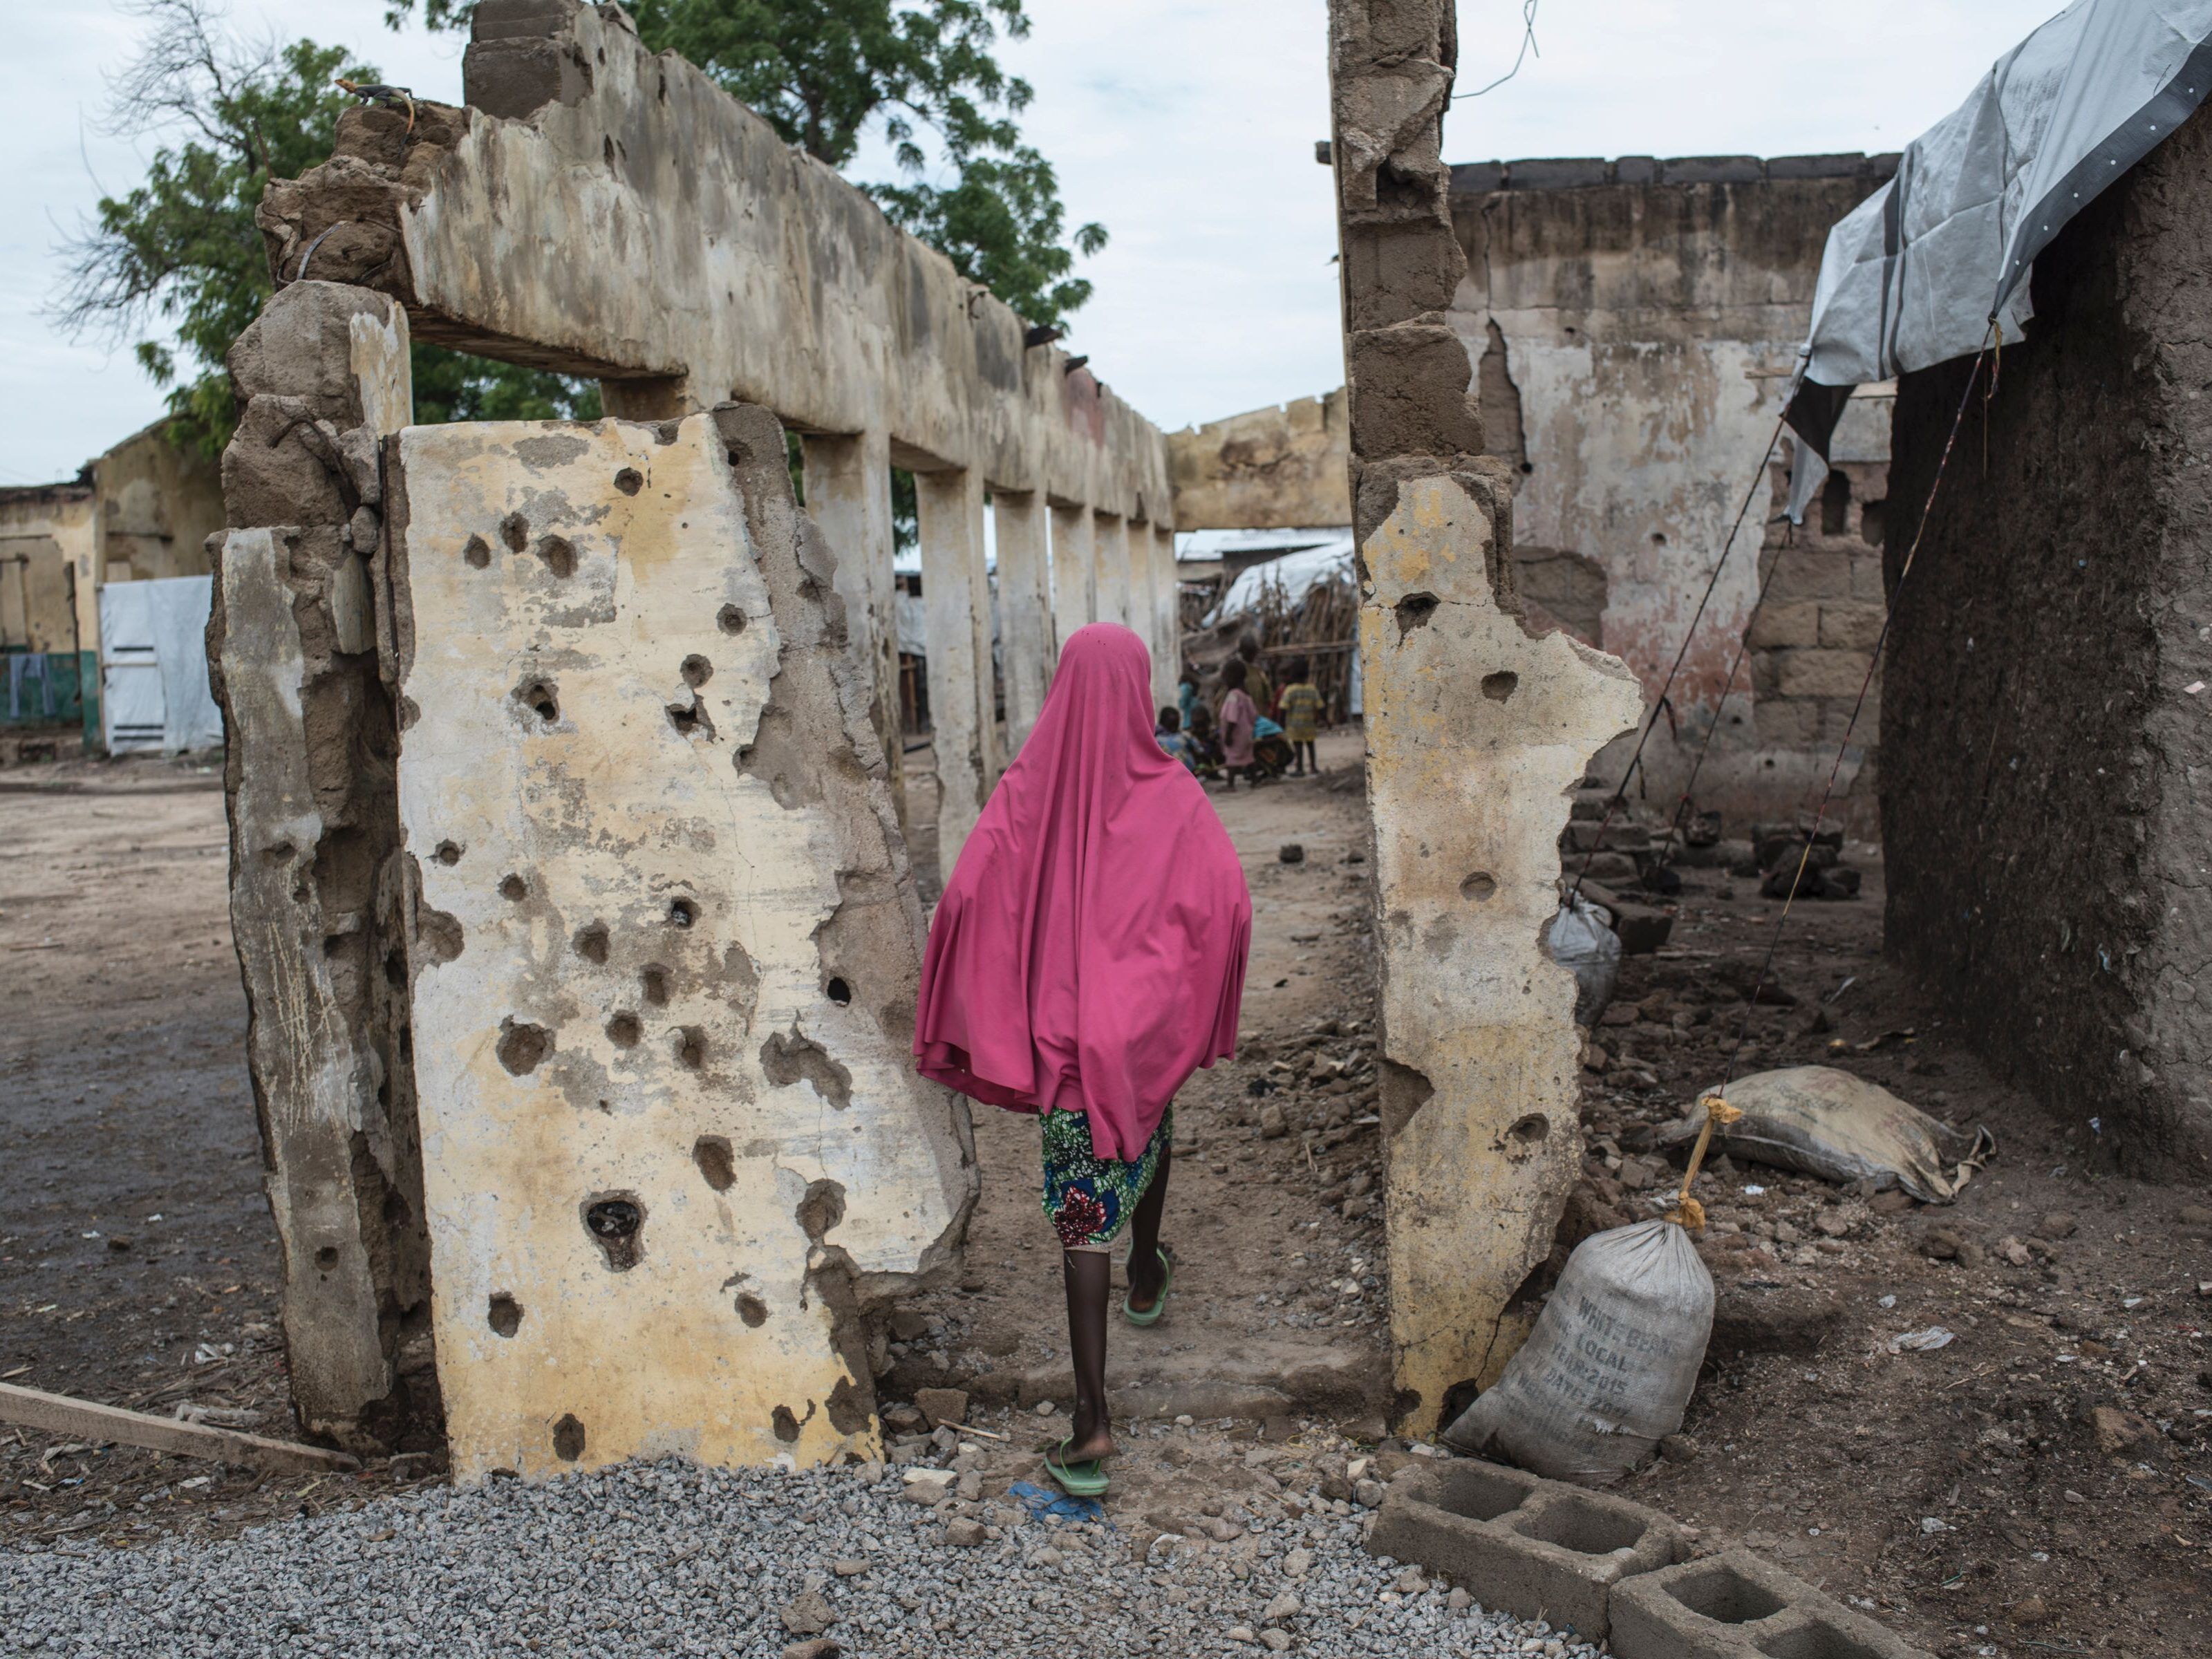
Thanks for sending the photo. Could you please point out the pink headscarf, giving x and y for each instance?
(1089, 952)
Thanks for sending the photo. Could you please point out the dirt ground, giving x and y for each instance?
(2041, 1484)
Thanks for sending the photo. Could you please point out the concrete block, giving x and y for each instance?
(1853, 627)
(1477, 178)
(1527, 1545)
(1802, 573)
(1785, 723)
(1636, 170)
(1822, 673)
(1784, 623)
(1737, 1606)
(1571, 173)
(1715, 170)
(1850, 164)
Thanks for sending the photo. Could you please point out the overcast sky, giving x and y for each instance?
(1186, 126)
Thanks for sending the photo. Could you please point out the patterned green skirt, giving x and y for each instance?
(1089, 1199)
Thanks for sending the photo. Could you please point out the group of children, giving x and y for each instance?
(1248, 730)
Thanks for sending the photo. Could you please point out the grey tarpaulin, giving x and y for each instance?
(1917, 271)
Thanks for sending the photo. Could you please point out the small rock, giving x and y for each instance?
(2030, 1610)
(849, 1566)
(942, 1407)
(808, 1613)
(820, 1648)
(2057, 1224)
(1459, 1601)
(970, 1486)
(1290, 852)
(2194, 1215)
(1678, 1448)
(1368, 1494)
(1285, 1606)
(2011, 1249)
(1273, 1126)
(1939, 1245)
(1278, 1641)
(1241, 1633)
(1833, 1223)
(2120, 1433)
(1356, 1209)
(1410, 1582)
(1298, 1563)
(927, 1487)
(1895, 1202)
(1044, 1409)
(963, 1534)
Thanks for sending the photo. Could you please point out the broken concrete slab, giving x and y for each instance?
(1735, 1606)
(665, 946)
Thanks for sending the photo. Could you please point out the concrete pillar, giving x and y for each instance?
(1074, 571)
(318, 890)
(1025, 653)
(1167, 617)
(1475, 734)
(1138, 535)
(665, 951)
(848, 494)
(1112, 540)
(955, 606)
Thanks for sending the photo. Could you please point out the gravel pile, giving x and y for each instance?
(670, 1559)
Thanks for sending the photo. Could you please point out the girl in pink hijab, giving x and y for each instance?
(1087, 957)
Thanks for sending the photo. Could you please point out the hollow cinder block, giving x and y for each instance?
(1524, 1544)
(1735, 1606)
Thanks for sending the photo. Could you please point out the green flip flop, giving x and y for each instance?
(1152, 1315)
(1082, 1478)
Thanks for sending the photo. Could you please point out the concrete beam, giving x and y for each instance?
(667, 946)
(1025, 646)
(848, 494)
(1475, 732)
(316, 887)
(955, 606)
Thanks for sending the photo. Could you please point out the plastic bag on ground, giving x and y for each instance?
(1581, 942)
(1608, 1370)
(1819, 1121)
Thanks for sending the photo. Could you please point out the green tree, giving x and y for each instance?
(182, 246)
(824, 73)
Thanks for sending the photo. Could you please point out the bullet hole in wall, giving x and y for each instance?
(752, 1310)
(523, 1046)
(559, 554)
(541, 697)
(1413, 611)
(691, 1046)
(514, 531)
(1501, 685)
(592, 943)
(1479, 886)
(629, 481)
(623, 1030)
(1527, 1134)
(730, 619)
(447, 853)
(682, 913)
(569, 1439)
(691, 720)
(787, 1425)
(839, 993)
(327, 1257)
(712, 1154)
(477, 552)
(697, 670)
(514, 888)
(505, 1315)
(654, 979)
(616, 1222)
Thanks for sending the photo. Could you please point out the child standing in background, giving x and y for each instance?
(1301, 716)
(1168, 733)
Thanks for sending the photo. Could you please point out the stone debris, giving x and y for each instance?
(687, 1559)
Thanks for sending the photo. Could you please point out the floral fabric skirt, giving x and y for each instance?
(1089, 1199)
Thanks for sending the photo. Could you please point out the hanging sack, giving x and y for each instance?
(1609, 1369)
(1581, 942)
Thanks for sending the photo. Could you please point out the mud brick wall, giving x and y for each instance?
(666, 946)
(315, 878)
(1477, 730)
(2046, 804)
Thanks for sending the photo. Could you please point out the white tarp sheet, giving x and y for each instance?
(1291, 575)
(1918, 272)
(152, 647)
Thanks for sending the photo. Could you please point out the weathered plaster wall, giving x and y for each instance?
(1279, 468)
(665, 946)
(680, 251)
(158, 505)
(316, 888)
(44, 529)
(1634, 324)
(1476, 732)
(2046, 763)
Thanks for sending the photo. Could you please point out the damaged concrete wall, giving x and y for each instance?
(678, 249)
(665, 946)
(1477, 732)
(316, 883)
(1279, 468)
(2045, 752)
(1634, 324)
